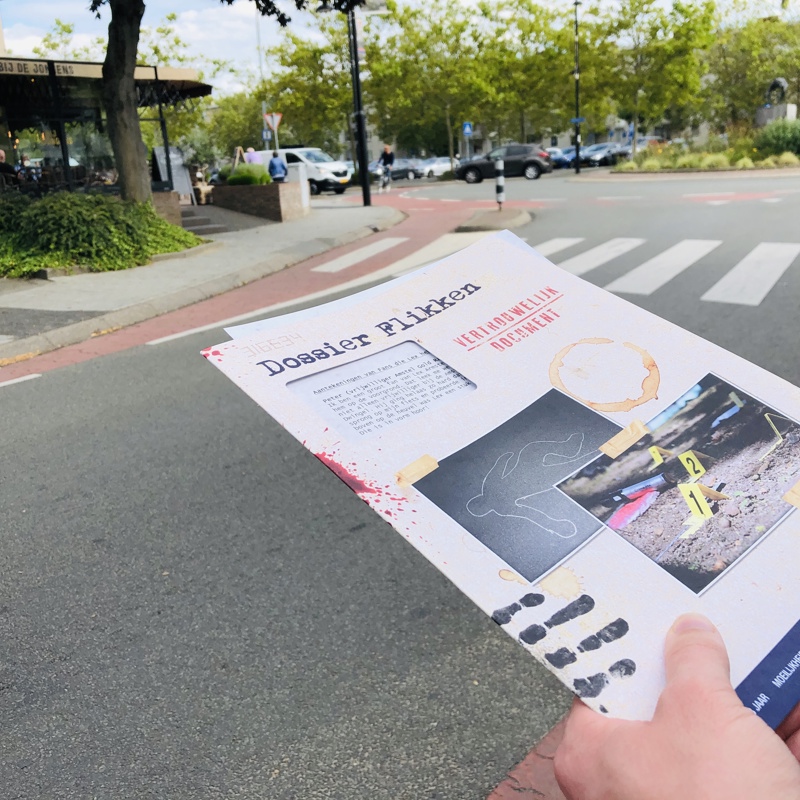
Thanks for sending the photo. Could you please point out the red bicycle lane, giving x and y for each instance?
(426, 220)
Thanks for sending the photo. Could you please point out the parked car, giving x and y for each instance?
(324, 173)
(559, 157)
(407, 168)
(569, 154)
(436, 167)
(529, 160)
(604, 154)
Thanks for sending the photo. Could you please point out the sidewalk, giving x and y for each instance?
(38, 316)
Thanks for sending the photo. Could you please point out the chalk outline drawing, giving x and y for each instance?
(558, 459)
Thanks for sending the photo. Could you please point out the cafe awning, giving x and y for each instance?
(42, 92)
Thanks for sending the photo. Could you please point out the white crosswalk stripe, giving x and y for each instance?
(363, 253)
(751, 280)
(599, 255)
(661, 269)
(555, 245)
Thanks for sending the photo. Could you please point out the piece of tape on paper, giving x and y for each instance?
(416, 470)
(625, 439)
(793, 495)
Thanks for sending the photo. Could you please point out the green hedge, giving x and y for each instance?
(98, 232)
(778, 137)
(249, 175)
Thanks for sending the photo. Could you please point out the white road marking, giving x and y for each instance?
(771, 199)
(4, 339)
(444, 246)
(554, 245)
(751, 280)
(709, 194)
(661, 269)
(450, 199)
(359, 255)
(440, 248)
(717, 202)
(599, 255)
(550, 199)
(20, 380)
(621, 197)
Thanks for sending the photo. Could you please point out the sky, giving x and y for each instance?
(210, 28)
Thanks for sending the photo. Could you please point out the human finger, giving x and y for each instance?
(694, 650)
(578, 755)
(790, 725)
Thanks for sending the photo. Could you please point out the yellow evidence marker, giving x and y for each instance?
(698, 504)
(692, 464)
(658, 454)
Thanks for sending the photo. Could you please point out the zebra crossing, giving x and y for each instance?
(747, 282)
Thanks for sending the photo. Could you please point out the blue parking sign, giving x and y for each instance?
(466, 129)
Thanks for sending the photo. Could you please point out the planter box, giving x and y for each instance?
(276, 201)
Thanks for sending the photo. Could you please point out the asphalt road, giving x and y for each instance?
(737, 213)
(193, 607)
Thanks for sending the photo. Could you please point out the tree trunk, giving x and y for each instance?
(119, 97)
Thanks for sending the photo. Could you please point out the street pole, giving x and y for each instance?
(361, 128)
(577, 96)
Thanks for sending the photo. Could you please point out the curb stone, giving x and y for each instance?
(495, 220)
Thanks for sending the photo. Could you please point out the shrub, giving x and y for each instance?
(64, 230)
(744, 163)
(249, 175)
(715, 161)
(627, 166)
(689, 161)
(788, 159)
(651, 165)
(767, 163)
(778, 137)
(225, 171)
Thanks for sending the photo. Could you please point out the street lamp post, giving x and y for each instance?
(358, 107)
(577, 74)
(361, 126)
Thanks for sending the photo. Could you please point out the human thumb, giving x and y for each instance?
(695, 651)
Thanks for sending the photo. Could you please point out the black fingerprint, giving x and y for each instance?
(623, 668)
(532, 600)
(533, 634)
(613, 631)
(583, 605)
(503, 615)
(561, 657)
(591, 686)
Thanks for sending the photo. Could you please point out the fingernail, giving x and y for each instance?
(692, 622)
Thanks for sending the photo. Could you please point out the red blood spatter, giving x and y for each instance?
(209, 352)
(378, 495)
(341, 472)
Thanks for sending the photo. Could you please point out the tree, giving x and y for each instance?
(313, 84)
(659, 62)
(425, 74)
(742, 63)
(119, 91)
(528, 49)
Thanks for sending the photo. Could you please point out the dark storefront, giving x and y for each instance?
(52, 121)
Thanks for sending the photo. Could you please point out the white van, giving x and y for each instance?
(324, 172)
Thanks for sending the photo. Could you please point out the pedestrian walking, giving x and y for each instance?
(277, 168)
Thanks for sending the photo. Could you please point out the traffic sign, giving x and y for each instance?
(466, 129)
(273, 120)
(266, 135)
(577, 120)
